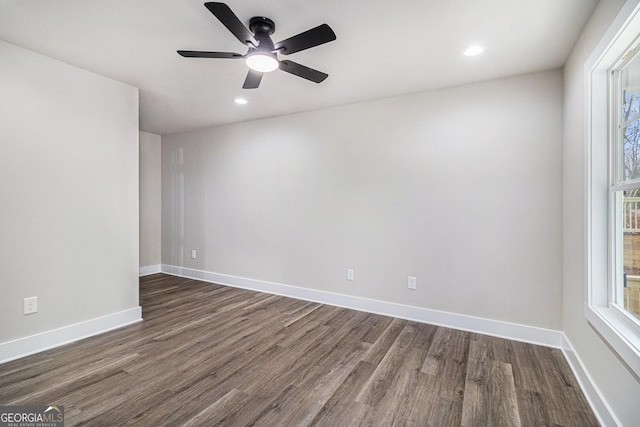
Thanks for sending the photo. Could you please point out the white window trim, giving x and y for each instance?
(606, 319)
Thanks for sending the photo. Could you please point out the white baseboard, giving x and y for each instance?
(149, 269)
(512, 331)
(21, 347)
(596, 400)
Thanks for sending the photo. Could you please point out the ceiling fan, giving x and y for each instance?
(262, 56)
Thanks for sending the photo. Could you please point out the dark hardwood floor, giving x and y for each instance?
(212, 355)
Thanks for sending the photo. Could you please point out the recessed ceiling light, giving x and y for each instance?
(240, 101)
(474, 50)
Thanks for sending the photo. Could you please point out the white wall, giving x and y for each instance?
(150, 201)
(616, 382)
(459, 187)
(68, 194)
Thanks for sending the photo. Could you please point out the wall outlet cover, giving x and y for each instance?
(350, 274)
(30, 305)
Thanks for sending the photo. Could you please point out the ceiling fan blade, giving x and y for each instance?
(231, 21)
(253, 80)
(310, 38)
(302, 71)
(200, 54)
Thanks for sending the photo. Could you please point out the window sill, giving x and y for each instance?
(617, 333)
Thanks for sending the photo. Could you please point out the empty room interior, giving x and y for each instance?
(321, 213)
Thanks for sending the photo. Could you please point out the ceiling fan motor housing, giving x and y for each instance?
(262, 28)
(262, 24)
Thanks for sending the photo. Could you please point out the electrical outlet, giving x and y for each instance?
(193, 254)
(411, 283)
(30, 305)
(350, 274)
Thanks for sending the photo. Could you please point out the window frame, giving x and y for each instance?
(618, 184)
(613, 324)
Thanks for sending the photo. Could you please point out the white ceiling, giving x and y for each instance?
(383, 48)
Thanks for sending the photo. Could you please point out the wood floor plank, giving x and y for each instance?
(391, 366)
(447, 413)
(559, 387)
(532, 409)
(36, 390)
(391, 408)
(342, 406)
(490, 395)
(209, 355)
(414, 410)
(213, 413)
(447, 358)
(384, 341)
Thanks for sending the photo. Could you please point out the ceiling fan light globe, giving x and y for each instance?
(262, 62)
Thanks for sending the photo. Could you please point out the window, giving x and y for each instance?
(624, 188)
(613, 190)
